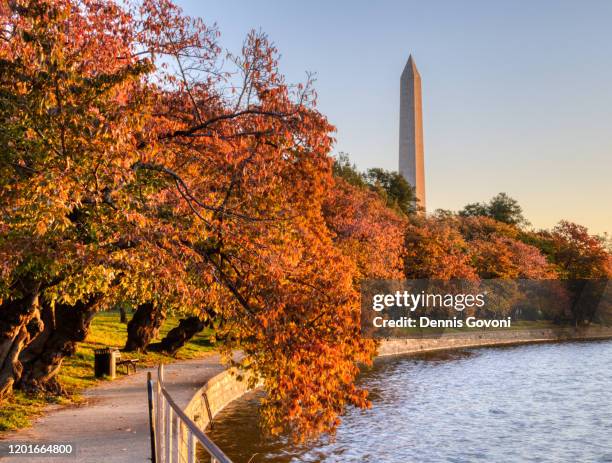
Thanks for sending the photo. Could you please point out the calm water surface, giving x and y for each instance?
(537, 403)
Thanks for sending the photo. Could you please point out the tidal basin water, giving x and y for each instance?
(534, 403)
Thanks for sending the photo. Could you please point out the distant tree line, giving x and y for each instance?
(489, 240)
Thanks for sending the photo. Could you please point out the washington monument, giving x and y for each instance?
(411, 160)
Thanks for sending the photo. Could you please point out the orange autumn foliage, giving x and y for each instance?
(142, 166)
(436, 249)
(497, 253)
(367, 231)
(576, 253)
(458, 247)
(502, 257)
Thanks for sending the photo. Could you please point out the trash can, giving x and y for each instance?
(105, 362)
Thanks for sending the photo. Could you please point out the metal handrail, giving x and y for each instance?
(165, 432)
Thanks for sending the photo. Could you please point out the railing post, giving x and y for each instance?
(178, 443)
(190, 447)
(210, 416)
(177, 434)
(161, 437)
(168, 432)
(151, 417)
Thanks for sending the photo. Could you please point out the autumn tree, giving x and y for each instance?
(492, 248)
(577, 253)
(82, 225)
(507, 263)
(391, 186)
(501, 207)
(435, 249)
(584, 262)
(61, 117)
(497, 251)
(473, 248)
(365, 230)
(139, 169)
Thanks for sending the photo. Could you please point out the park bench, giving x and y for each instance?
(127, 363)
(108, 359)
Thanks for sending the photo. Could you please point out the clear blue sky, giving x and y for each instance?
(517, 95)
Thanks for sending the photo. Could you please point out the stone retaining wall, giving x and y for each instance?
(219, 391)
(488, 338)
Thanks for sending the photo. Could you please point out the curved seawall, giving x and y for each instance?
(215, 394)
(489, 338)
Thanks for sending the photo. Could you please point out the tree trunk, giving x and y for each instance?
(123, 314)
(177, 337)
(20, 323)
(65, 326)
(144, 326)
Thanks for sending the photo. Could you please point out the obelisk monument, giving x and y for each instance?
(411, 159)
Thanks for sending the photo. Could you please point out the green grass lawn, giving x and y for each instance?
(77, 372)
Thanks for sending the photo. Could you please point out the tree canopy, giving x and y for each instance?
(141, 163)
(392, 187)
(501, 207)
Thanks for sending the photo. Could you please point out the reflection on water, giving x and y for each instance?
(536, 403)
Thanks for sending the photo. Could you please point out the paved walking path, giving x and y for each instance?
(113, 425)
